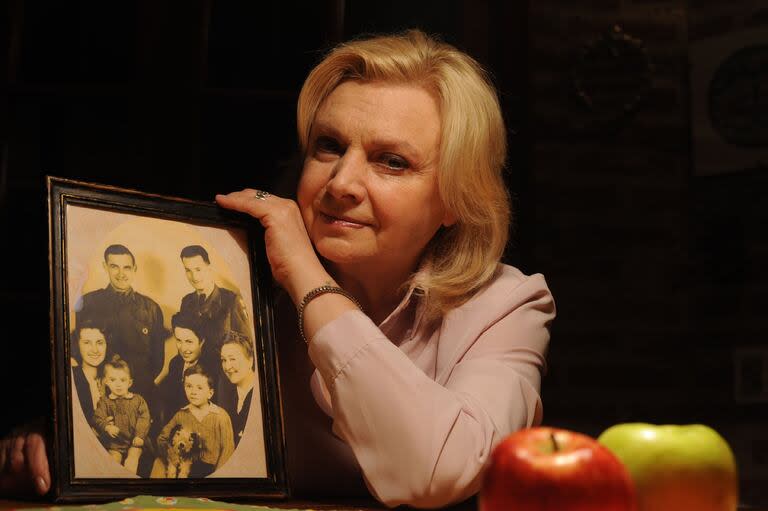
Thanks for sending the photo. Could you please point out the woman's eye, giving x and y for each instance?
(327, 145)
(394, 161)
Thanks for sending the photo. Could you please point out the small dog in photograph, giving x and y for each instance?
(183, 451)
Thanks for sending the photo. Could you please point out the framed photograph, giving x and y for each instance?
(162, 348)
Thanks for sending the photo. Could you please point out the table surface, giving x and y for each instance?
(6, 504)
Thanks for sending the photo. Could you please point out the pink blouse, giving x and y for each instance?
(422, 407)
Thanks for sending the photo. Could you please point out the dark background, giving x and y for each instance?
(658, 270)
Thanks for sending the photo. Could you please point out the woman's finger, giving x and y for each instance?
(253, 202)
(16, 462)
(37, 461)
(14, 479)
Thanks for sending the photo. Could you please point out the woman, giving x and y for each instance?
(402, 213)
(427, 350)
(237, 364)
(89, 354)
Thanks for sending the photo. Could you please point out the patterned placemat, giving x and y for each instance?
(155, 503)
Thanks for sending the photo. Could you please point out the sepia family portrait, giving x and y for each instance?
(164, 379)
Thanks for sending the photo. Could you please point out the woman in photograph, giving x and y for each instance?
(237, 364)
(89, 352)
(428, 351)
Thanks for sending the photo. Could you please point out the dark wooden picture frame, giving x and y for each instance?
(87, 222)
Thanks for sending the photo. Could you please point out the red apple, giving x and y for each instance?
(543, 469)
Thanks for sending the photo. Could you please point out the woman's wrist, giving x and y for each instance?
(321, 310)
(309, 279)
(317, 293)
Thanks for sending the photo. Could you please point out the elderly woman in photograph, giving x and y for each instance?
(237, 364)
(428, 351)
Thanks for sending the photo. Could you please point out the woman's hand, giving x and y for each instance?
(291, 256)
(24, 464)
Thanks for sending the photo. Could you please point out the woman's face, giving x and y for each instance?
(93, 346)
(368, 192)
(188, 344)
(234, 363)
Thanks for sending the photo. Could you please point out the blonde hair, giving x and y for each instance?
(463, 257)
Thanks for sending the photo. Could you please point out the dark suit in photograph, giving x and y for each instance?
(218, 313)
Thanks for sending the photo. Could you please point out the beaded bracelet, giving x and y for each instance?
(314, 294)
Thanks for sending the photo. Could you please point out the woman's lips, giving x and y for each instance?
(343, 221)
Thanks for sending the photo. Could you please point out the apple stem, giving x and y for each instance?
(555, 446)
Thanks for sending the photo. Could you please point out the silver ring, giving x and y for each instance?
(260, 195)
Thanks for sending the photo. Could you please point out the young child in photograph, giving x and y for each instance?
(200, 419)
(122, 417)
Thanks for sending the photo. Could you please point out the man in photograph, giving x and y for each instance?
(134, 321)
(219, 310)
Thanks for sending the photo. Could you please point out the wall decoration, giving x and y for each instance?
(729, 102)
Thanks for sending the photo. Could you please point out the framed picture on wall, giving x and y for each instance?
(162, 348)
(729, 124)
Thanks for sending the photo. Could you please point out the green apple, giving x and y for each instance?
(676, 468)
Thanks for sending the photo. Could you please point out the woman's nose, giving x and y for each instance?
(347, 179)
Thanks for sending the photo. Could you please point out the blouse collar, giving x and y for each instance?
(113, 396)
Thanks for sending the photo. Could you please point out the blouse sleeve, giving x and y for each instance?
(424, 442)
